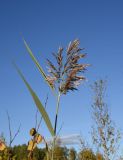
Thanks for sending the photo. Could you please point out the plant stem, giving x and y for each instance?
(55, 126)
(57, 110)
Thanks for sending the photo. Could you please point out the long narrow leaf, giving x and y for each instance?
(38, 103)
(37, 63)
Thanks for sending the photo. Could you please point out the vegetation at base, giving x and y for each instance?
(20, 153)
(60, 153)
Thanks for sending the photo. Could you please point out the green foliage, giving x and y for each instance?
(7, 154)
(87, 154)
(39, 154)
(22, 153)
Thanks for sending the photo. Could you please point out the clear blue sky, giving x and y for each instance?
(46, 25)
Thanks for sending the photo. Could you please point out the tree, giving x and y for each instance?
(20, 151)
(39, 154)
(87, 154)
(22, 154)
(105, 136)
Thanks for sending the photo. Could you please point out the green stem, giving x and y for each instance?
(55, 126)
(57, 110)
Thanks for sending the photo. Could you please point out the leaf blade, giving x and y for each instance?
(37, 102)
(37, 63)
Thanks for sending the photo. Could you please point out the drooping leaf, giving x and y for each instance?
(37, 63)
(38, 103)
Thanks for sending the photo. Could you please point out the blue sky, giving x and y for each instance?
(46, 25)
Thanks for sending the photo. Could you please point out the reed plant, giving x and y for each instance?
(65, 75)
